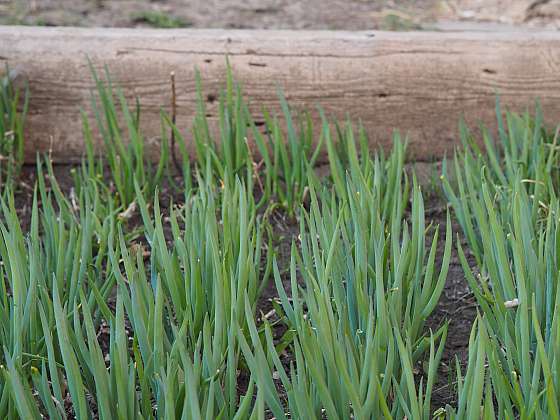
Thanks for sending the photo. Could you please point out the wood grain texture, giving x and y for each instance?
(421, 83)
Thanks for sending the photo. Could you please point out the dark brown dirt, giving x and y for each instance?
(457, 305)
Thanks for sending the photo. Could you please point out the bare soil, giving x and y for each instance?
(281, 14)
(457, 306)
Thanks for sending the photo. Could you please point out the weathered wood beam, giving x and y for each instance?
(421, 83)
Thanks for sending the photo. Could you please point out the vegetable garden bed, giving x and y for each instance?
(228, 276)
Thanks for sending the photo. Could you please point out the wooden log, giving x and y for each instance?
(421, 83)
